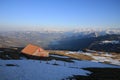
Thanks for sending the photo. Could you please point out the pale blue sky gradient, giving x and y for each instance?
(60, 13)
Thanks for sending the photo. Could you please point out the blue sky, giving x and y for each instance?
(59, 13)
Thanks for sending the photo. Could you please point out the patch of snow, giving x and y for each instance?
(31, 69)
(116, 62)
(34, 70)
(85, 53)
(105, 59)
(108, 41)
(108, 55)
(60, 56)
(86, 64)
(94, 61)
(79, 51)
(92, 51)
(70, 52)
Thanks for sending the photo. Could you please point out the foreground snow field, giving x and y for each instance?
(36, 70)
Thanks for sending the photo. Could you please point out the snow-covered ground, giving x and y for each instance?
(60, 56)
(36, 70)
(96, 56)
(105, 58)
(112, 42)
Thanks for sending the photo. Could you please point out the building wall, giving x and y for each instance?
(41, 53)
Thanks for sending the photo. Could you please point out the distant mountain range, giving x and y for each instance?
(94, 43)
(67, 40)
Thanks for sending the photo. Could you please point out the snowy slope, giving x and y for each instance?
(106, 58)
(34, 70)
